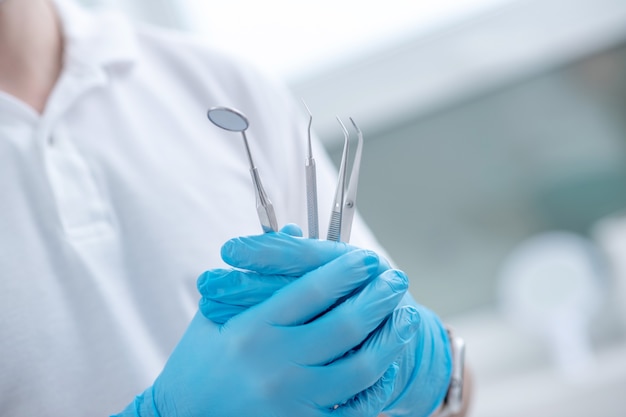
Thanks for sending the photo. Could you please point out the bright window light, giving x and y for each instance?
(295, 39)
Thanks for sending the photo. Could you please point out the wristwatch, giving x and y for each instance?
(453, 401)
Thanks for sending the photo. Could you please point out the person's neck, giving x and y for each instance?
(31, 50)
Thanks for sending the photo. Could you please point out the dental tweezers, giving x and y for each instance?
(344, 204)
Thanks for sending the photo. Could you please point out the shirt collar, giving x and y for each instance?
(96, 39)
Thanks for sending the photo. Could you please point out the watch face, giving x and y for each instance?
(454, 399)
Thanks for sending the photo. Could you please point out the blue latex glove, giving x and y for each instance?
(290, 355)
(268, 262)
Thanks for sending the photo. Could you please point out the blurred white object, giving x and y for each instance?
(610, 233)
(551, 286)
(167, 13)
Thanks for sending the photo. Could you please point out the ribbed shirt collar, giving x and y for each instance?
(104, 41)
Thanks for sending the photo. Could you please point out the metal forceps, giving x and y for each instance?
(344, 204)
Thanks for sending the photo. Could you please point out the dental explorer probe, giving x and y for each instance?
(234, 121)
(311, 184)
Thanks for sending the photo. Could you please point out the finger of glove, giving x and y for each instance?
(360, 369)
(316, 291)
(292, 229)
(227, 292)
(348, 324)
(370, 402)
(245, 288)
(219, 313)
(282, 254)
(424, 375)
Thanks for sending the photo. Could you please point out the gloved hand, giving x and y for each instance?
(267, 263)
(290, 355)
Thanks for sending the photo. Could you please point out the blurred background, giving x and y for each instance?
(494, 168)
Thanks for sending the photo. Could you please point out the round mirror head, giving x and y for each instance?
(227, 118)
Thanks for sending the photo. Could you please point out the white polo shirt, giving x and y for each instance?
(117, 197)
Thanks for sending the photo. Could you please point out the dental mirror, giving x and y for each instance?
(228, 119)
(234, 121)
